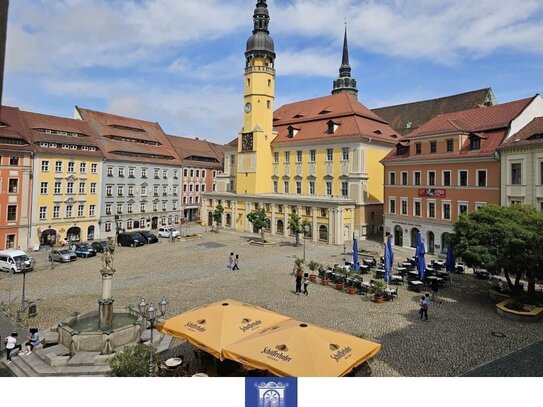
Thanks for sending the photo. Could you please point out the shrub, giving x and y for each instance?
(133, 361)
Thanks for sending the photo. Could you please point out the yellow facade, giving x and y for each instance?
(66, 198)
(254, 150)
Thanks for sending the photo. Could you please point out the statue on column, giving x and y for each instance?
(107, 257)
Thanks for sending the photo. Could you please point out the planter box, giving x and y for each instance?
(524, 316)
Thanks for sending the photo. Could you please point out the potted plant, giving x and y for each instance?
(322, 274)
(340, 277)
(298, 266)
(378, 289)
(313, 266)
(352, 277)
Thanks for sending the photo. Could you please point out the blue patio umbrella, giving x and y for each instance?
(389, 258)
(355, 253)
(450, 262)
(419, 255)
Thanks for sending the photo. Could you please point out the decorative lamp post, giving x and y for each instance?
(148, 312)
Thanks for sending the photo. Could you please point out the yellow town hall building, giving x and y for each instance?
(318, 158)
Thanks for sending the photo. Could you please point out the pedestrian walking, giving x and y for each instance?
(230, 264)
(170, 235)
(424, 304)
(306, 283)
(236, 263)
(11, 344)
(299, 276)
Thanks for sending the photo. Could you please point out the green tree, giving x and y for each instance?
(503, 238)
(258, 219)
(217, 216)
(297, 225)
(133, 361)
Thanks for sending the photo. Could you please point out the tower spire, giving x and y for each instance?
(345, 83)
(260, 43)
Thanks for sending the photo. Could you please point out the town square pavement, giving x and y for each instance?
(463, 332)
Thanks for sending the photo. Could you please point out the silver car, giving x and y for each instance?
(62, 255)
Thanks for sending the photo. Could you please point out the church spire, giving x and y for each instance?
(345, 83)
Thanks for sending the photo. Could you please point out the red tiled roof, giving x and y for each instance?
(188, 147)
(38, 121)
(478, 119)
(13, 127)
(142, 132)
(311, 118)
(530, 134)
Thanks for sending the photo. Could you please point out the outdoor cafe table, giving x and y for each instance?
(413, 273)
(416, 285)
(396, 279)
(406, 264)
(402, 270)
(379, 273)
(364, 268)
(431, 279)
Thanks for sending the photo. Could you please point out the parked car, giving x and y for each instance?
(15, 261)
(132, 239)
(84, 250)
(62, 255)
(165, 232)
(148, 237)
(100, 246)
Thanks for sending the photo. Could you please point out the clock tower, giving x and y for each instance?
(254, 164)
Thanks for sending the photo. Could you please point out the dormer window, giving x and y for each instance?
(292, 131)
(332, 127)
(474, 142)
(402, 149)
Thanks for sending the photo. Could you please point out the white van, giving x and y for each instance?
(15, 261)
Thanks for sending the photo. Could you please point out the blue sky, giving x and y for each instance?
(180, 62)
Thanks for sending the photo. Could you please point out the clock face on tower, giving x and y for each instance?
(247, 142)
(247, 107)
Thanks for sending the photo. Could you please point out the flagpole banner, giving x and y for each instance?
(271, 392)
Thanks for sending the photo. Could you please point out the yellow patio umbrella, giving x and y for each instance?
(213, 326)
(294, 348)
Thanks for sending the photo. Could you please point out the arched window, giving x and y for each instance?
(414, 237)
(280, 227)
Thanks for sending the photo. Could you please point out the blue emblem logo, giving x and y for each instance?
(271, 392)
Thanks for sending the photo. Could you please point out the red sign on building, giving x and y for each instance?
(432, 193)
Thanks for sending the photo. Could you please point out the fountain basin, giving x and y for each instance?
(81, 333)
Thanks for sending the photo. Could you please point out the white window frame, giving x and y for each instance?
(45, 166)
(443, 203)
(286, 186)
(390, 200)
(81, 210)
(94, 168)
(415, 202)
(428, 178)
(43, 212)
(312, 156)
(83, 168)
(311, 187)
(459, 204)
(406, 173)
(58, 166)
(415, 178)
(44, 188)
(92, 210)
(428, 202)
(459, 184)
(329, 154)
(345, 153)
(392, 174)
(275, 187)
(71, 166)
(298, 187)
(443, 178)
(329, 188)
(56, 211)
(479, 204)
(402, 201)
(477, 176)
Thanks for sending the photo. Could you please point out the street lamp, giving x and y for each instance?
(148, 311)
(306, 229)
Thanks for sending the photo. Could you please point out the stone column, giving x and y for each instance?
(273, 220)
(285, 224)
(105, 304)
(331, 224)
(315, 227)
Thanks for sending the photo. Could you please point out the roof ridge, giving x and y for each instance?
(434, 99)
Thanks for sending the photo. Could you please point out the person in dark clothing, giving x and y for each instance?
(299, 276)
(236, 261)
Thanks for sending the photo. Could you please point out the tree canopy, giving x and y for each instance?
(217, 215)
(296, 225)
(506, 239)
(258, 219)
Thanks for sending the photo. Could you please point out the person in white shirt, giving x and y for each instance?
(11, 344)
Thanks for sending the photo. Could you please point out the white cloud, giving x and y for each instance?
(308, 62)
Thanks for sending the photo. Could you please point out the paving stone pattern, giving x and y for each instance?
(456, 339)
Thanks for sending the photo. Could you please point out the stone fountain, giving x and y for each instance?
(107, 329)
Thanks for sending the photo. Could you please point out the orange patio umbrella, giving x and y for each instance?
(212, 327)
(294, 348)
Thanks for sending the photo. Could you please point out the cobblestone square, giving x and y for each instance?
(458, 337)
